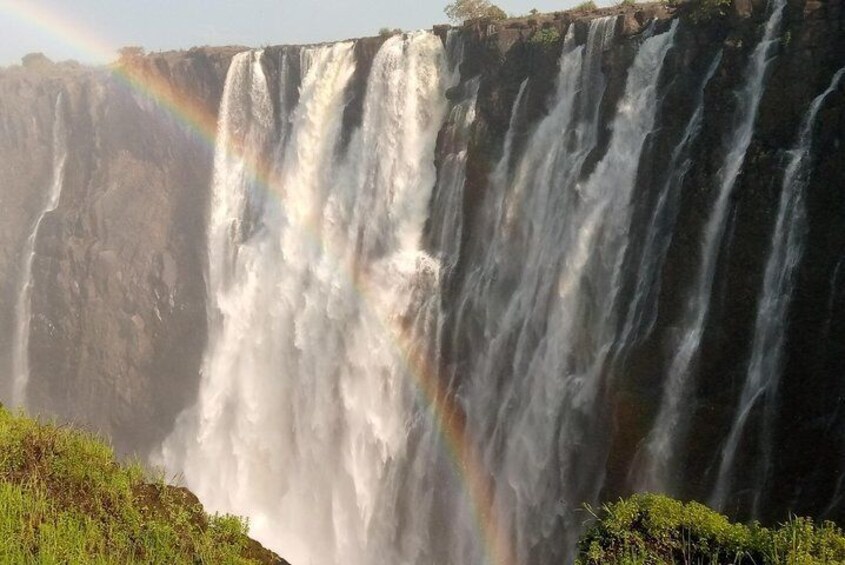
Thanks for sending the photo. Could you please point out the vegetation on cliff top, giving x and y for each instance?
(65, 499)
(463, 10)
(655, 530)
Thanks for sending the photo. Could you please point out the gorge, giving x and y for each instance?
(418, 298)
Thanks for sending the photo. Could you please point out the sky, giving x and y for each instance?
(179, 24)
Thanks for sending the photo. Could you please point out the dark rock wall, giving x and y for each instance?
(810, 431)
(806, 474)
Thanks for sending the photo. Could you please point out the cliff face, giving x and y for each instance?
(28, 101)
(118, 313)
(808, 430)
(118, 300)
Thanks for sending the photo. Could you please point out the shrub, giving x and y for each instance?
(546, 36)
(655, 529)
(585, 6)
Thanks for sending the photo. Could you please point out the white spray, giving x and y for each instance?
(305, 401)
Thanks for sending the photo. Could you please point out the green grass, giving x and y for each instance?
(64, 499)
(655, 530)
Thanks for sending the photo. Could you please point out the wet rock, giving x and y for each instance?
(741, 9)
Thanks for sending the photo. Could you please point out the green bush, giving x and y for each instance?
(546, 36)
(65, 499)
(585, 6)
(656, 530)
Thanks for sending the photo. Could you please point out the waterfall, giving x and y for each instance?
(764, 367)
(406, 365)
(482, 298)
(548, 295)
(23, 306)
(642, 311)
(648, 470)
(457, 283)
(671, 422)
(306, 402)
(447, 210)
(447, 207)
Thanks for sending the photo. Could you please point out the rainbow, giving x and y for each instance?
(186, 109)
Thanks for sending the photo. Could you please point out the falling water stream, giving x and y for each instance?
(670, 427)
(305, 405)
(23, 306)
(764, 368)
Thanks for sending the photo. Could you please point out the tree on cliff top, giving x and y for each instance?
(36, 61)
(130, 53)
(461, 10)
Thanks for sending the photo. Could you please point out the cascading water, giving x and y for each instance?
(642, 311)
(556, 258)
(649, 472)
(306, 419)
(305, 405)
(761, 382)
(447, 205)
(20, 344)
(670, 425)
(406, 365)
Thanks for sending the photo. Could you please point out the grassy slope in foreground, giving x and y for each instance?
(65, 499)
(650, 529)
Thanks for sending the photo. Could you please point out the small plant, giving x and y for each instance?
(546, 36)
(387, 32)
(627, 3)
